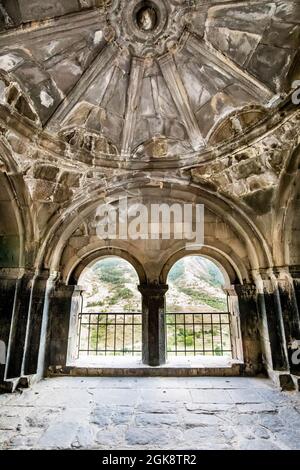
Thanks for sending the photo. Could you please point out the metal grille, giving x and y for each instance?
(110, 334)
(191, 334)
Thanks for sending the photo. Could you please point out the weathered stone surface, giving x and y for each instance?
(147, 436)
(59, 436)
(204, 433)
(162, 408)
(245, 396)
(192, 420)
(122, 415)
(45, 172)
(156, 419)
(214, 396)
(101, 417)
(233, 33)
(257, 444)
(108, 439)
(149, 425)
(84, 438)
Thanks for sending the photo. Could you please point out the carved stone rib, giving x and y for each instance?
(133, 100)
(104, 58)
(111, 87)
(180, 97)
(51, 29)
(256, 87)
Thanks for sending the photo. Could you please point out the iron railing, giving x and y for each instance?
(188, 334)
(110, 334)
(193, 334)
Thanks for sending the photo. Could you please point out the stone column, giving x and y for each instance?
(76, 308)
(8, 286)
(272, 330)
(153, 323)
(295, 273)
(271, 313)
(250, 331)
(18, 328)
(34, 323)
(60, 308)
(290, 314)
(44, 347)
(235, 324)
(21, 321)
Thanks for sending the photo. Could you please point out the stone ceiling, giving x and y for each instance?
(155, 79)
(95, 94)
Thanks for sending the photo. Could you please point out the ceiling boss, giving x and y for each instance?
(147, 18)
(148, 27)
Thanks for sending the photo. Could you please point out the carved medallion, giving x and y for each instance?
(149, 27)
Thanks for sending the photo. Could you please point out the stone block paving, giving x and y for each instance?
(150, 413)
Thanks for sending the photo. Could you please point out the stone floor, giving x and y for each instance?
(150, 413)
(173, 362)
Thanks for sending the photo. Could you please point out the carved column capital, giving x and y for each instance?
(153, 290)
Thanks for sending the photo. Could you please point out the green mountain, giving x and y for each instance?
(195, 285)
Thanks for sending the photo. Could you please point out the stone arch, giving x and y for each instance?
(102, 253)
(285, 209)
(6, 158)
(62, 227)
(18, 204)
(12, 263)
(235, 123)
(233, 277)
(33, 96)
(238, 267)
(292, 229)
(220, 259)
(12, 230)
(17, 250)
(78, 294)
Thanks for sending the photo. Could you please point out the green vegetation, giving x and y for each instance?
(203, 336)
(129, 308)
(125, 293)
(185, 340)
(186, 337)
(111, 276)
(113, 271)
(102, 337)
(218, 351)
(98, 303)
(204, 298)
(119, 293)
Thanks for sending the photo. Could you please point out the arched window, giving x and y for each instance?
(197, 317)
(110, 323)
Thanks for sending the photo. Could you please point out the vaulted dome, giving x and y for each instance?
(149, 79)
